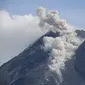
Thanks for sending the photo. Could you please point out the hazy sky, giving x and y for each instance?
(71, 10)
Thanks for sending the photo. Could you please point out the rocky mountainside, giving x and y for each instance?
(80, 59)
(29, 67)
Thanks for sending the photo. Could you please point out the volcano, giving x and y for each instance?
(55, 58)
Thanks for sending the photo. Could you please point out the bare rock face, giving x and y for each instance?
(80, 33)
(80, 59)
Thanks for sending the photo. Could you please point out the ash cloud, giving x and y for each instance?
(64, 46)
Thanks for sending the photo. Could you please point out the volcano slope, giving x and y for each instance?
(51, 59)
(29, 67)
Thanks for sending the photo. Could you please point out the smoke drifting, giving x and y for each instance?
(64, 46)
(51, 20)
(17, 32)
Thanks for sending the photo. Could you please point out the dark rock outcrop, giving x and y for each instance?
(80, 59)
(80, 33)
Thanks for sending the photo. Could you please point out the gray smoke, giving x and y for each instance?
(64, 46)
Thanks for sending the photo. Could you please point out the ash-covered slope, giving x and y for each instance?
(32, 67)
(80, 55)
(80, 60)
(29, 67)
